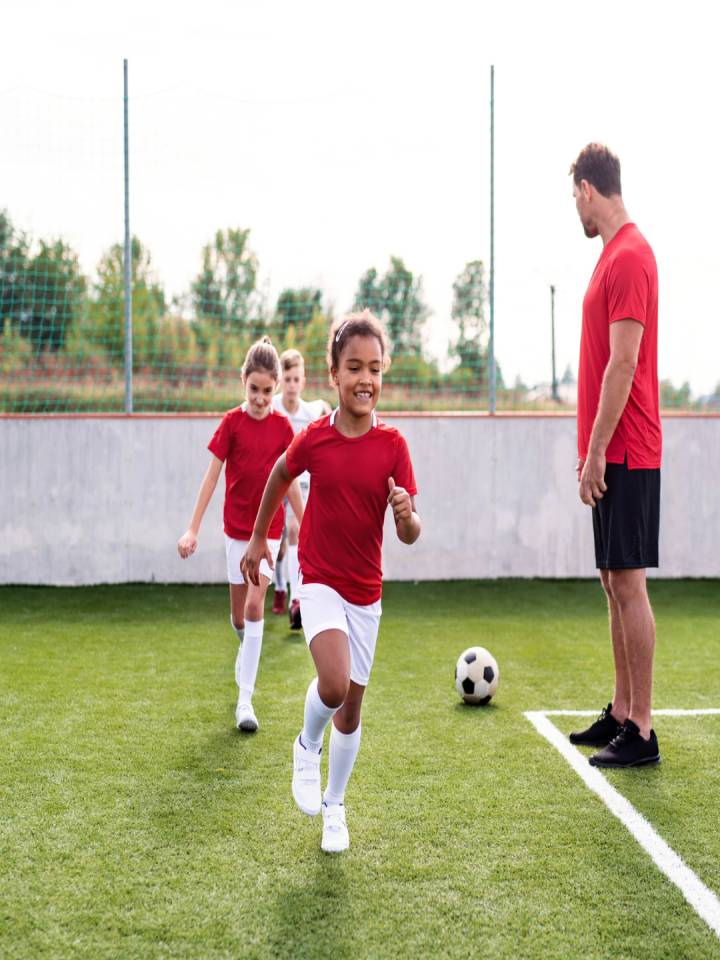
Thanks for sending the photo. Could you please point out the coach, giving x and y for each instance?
(619, 450)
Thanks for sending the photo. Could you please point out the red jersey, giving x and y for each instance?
(342, 529)
(624, 286)
(249, 448)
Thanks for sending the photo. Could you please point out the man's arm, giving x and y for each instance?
(625, 338)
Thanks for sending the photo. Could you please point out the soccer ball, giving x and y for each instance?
(477, 676)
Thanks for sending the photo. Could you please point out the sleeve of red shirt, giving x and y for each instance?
(296, 455)
(627, 289)
(403, 474)
(289, 435)
(221, 439)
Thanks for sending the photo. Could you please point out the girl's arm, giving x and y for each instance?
(187, 544)
(407, 522)
(276, 488)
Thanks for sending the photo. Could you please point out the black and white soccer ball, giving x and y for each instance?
(477, 676)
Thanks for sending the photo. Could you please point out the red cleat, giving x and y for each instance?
(295, 618)
(279, 602)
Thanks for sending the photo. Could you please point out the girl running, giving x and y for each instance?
(301, 413)
(249, 440)
(357, 466)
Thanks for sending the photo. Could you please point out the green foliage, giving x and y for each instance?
(108, 305)
(224, 292)
(397, 299)
(468, 312)
(313, 346)
(15, 350)
(42, 290)
(297, 308)
(674, 398)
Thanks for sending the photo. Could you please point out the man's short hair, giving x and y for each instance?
(600, 167)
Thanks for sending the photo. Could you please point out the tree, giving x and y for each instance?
(42, 292)
(468, 312)
(14, 258)
(54, 296)
(108, 307)
(675, 397)
(224, 292)
(397, 299)
(296, 308)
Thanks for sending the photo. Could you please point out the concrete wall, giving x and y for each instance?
(103, 500)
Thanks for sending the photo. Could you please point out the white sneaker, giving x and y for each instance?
(245, 718)
(335, 836)
(306, 779)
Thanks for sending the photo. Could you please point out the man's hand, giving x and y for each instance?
(250, 564)
(592, 478)
(399, 500)
(187, 544)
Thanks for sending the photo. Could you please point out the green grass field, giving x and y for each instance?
(137, 823)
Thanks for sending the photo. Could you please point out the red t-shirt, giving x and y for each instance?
(249, 448)
(342, 529)
(624, 286)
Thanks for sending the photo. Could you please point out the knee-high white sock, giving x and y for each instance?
(294, 565)
(281, 574)
(249, 658)
(343, 751)
(317, 716)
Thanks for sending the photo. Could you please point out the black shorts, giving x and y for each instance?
(626, 522)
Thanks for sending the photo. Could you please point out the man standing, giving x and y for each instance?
(619, 450)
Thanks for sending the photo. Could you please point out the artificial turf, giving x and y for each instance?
(136, 822)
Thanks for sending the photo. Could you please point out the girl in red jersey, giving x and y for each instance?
(357, 466)
(249, 440)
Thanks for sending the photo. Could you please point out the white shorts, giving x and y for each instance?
(234, 551)
(323, 608)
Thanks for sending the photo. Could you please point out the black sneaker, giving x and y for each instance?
(628, 749)
(600, 733)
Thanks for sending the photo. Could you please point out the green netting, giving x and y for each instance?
(62, 329)
(63, 339)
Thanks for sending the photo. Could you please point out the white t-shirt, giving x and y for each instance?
(308, 412)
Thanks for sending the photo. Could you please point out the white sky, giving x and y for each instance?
(342, 134)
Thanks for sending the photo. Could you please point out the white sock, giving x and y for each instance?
(281, 574)
(246, 666)
(343, 751)
(294, 565)
(317, 716)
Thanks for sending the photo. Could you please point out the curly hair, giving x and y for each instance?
(363, 324)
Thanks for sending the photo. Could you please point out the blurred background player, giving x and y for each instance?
(360, 465)
(301, 413)
(248, 441)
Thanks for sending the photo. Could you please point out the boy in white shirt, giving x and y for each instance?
(301, 413)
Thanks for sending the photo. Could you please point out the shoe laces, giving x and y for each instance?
(624, 734)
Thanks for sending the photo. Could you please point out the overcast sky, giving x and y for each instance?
(343, 133)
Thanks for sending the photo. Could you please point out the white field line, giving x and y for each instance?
(701, 898)
(710, 711)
